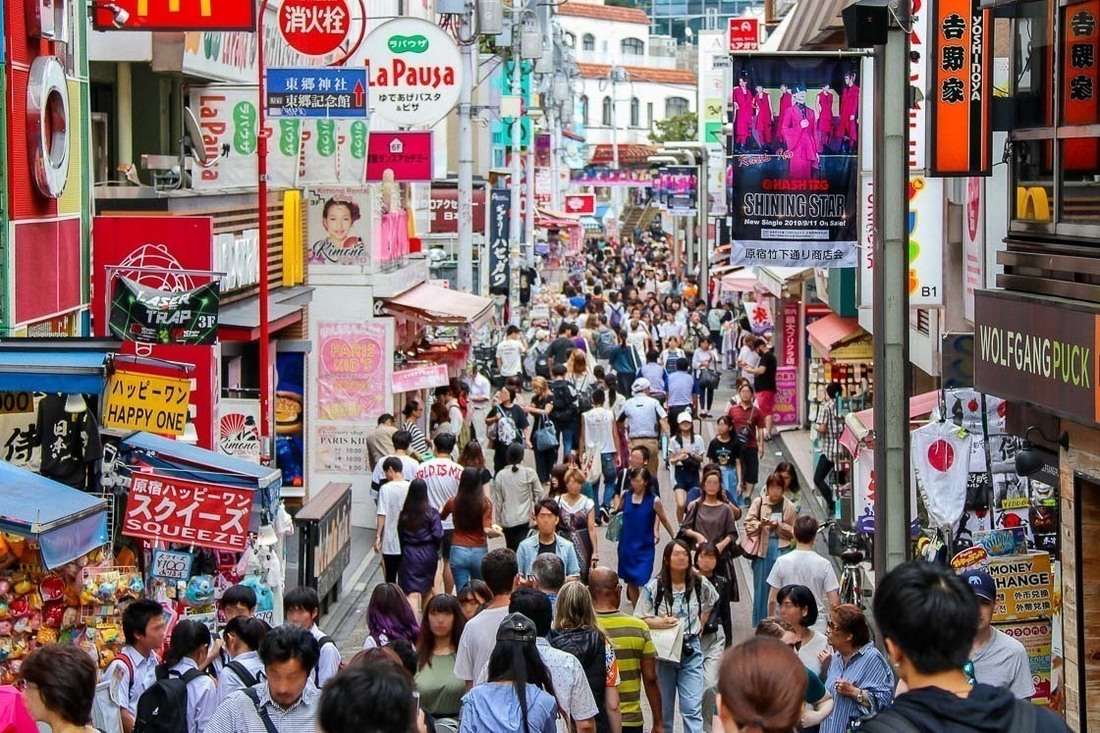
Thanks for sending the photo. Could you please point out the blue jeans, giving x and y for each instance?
(567, 434)
(685, 678)
(466, 564)
(729, 481)
(607, 465)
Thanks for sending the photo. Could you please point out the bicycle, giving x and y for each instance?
(848, 545)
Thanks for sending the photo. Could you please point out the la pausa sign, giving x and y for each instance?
(414, 71)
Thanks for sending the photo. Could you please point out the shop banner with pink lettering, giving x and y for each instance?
(786, 397)
(355, 362)
(421, 377)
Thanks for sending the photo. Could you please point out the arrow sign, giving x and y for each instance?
(326, 92)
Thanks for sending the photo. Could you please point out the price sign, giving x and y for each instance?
(172, 565)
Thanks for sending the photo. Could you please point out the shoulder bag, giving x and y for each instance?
(745, 432)
(750, 546)
(546, 437)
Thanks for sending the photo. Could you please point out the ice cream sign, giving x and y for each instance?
(415, 71)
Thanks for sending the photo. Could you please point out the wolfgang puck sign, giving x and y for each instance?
(1038, 350)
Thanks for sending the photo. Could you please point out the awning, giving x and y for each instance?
(804, 25)
(240, 321)
(591, 224)
(66, 522)
(193, 463)
(571, 135)
(857, 425)
(831, 331)
(741, 281)
(774, 279)
(604, 153)
(440, 306)
(601, 210)
(553, 214)
(78, 367)
(550, 222)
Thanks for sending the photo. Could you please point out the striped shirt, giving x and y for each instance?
(869, 671)
(419, 442)
(237, 714)
(630, 638)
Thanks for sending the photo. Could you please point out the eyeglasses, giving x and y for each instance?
(832, 626)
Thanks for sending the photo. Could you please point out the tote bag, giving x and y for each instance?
(669, 642)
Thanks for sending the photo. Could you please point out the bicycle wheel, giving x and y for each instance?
(848, 587)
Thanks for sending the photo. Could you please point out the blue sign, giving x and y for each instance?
(318, 92)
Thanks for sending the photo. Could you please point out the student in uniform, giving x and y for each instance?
(188, 648)
(242, 638)
(133, 671)
(301, 607)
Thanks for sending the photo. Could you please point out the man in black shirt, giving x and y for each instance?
(764, 382)
(561, 347)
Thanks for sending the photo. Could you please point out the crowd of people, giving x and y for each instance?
(538, 632)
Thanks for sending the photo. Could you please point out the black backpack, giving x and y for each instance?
(564, 399)
(247, 678)
(163, 707)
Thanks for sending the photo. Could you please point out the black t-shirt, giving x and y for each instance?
(518, 418)
(560, 349)
(766, 381)
(724, 454)
(69, 442)
(552, 548)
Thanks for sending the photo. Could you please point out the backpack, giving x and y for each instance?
(537, 363)
(465, 435)
(564, 399)
(321, 644)
(247, 679)
(1024, 720)
(504, 430)
(616, 317)
(163, 707)
(606, 341)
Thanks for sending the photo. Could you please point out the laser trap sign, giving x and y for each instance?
(329, 92)
(146, 402)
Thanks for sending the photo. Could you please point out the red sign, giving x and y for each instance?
(744, 34)
(174, 15)
(174, 510)
(1080, 78)
(406, 155)
(444, 214)
(581, 204)
(314, 27)
(962, 89)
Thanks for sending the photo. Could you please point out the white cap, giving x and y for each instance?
(685, 416)
(641, 384)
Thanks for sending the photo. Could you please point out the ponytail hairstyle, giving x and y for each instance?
(188, 637)
(514, 456)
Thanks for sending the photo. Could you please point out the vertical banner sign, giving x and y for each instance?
(962, 81)
(790, 334)
(500, 266)
(926, 227)
(682, 186)
(794, 163)
(973, 243)
(1081, 34)
(352, 361)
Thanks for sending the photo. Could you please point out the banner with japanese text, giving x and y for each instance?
(355, 362)
(500, 265)
(961, 134)
(793, 168)
(170, 509)
(1080, 40)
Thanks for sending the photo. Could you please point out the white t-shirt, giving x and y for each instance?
(480, 388)
(752, 359)
(510, 353)
(391, 499)
(599, 427)
(806, 567)
(643, 415)
(809, 650)
(441, 475)
(477, 642)
(408, 468)
(638, 338)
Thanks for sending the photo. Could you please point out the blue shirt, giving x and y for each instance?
(655, 373)
(529, 549)
(869, 671)
(681, 388)
(494, 708)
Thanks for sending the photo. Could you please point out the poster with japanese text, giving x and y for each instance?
(169, 509)
(355, 362)
(961, 99)
(500, 254)
(794, 160)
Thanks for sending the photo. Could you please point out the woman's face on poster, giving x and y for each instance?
(338, 222)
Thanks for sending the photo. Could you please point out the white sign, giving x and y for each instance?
(926, 220)
(239, 428)
(973, 242)
(238, 256)
(921, 40)
(415, 70)
(171, 565)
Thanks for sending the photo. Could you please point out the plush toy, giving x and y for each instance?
(88, 593)
(105, 593)
(70, 617)
(20, 606)
(52, 587)
(6, 628)
(200, 591)
(23, 587)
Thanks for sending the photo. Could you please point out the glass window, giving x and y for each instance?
(633, 47)
(676, 106)
(1033, 167)
(570, 39)
(1080, 173)
(607, 111)
(584, 109)
(588, 42)
(1033, 64)
(635, 112)
(649, 115)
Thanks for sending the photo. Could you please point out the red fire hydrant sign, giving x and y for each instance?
(175, 510)
(314, 27)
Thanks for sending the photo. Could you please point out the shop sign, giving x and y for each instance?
(171, 565)
(1002, 542)
(58, 327)
(314, 27)
(863, 490)
(415, 71)
(444, 210)
(926, 235)
(920, 15)
(146, 402)
(786, 396)
(759, 314)
(962, 89)
(239, 429)
(333, 217)
(352, 363)
(1037, 638)
(973, 243)
(301, 151)
(176, 15)
(596, 175)
(328, 92)
(19, 430)
(858, 349)
(794, 198)
(500, 255)
(399, 156)
(971, 557)
(1038, 350)
(1024, 586)
(1080, 78)
(421, 377)
(237, 258)
(342, 449)
(789, 351)
(155, 316)
(581, 204)
(744, 34)
(170, 509)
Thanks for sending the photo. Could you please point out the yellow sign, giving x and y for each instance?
(146, 402)
(1025, 587)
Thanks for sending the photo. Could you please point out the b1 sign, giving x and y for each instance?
(415, 71)
(581, 204)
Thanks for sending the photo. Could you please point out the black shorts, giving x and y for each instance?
(445, 545)
(750, 465)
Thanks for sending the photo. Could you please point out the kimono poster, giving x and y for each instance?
(793, 169)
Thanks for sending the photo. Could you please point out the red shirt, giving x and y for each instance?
(742, 418)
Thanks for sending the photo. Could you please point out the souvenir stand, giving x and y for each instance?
(50, 535)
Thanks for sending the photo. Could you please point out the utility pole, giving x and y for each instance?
(465, 279)
(891, 288)
(529, 213)
(515, 224)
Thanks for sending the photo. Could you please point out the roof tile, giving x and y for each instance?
(604, 12)
(642, 73)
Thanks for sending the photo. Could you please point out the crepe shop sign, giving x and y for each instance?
(415, 74)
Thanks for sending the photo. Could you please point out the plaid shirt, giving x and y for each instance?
(829, 416)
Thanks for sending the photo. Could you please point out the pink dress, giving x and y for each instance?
(764, 121)
(849, 114)
(800, 141)
(825, 118)
(742, 119)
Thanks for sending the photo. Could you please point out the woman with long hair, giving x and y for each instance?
(761, 685)
(577, 632)
(519, 694)
(440, 690)
(473, 518)
(541, 405)
(711, 518)
(420, 530)
(770, 521)
(792, 489)
(474, 457)
(389, 617)
(514, 491)
(578, 519)
(642, 510)
(186, 651)
(679, 596)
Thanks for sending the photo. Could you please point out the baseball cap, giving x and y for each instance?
(641, 384)
(516, 627)
(982, 584)
(685, 416)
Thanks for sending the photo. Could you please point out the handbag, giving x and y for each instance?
(750, 546)
(669, 642)
(708, 378)
(593, 467)
(615, 527)
(546, 437)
